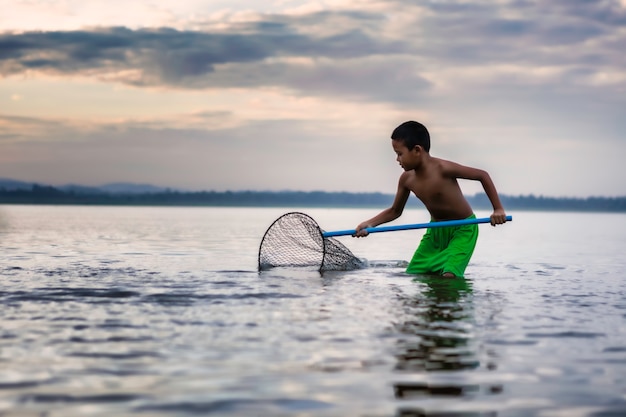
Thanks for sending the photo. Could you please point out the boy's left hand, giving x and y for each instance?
(360, 230)
(498, 217)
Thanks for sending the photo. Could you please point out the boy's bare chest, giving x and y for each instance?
(431, 189)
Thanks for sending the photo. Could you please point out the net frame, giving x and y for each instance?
(296, 240)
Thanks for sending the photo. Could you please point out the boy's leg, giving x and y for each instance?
(445, 250)
(460, 250)
(426, 259)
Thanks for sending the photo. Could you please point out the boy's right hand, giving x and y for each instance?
(361, 230)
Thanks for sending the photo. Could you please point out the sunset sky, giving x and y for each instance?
(303, 95)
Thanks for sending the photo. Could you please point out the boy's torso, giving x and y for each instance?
(441, 195)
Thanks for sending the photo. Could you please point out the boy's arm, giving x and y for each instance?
(469, 173)
(389, 214)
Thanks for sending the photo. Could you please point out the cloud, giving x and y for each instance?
(180, 58)
(523, 88)
(264, 154)
(344, 51)
(581, 40)
(15, 129)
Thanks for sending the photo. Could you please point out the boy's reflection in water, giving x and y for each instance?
(441, 318)
(439, 339)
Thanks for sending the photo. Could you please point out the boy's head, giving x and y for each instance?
(412, 134)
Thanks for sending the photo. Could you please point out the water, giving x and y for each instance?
(149, 311)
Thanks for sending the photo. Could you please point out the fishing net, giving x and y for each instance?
(295, 240)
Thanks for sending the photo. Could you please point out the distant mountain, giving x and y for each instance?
(131, 188)
(8, 184)
(80, 189)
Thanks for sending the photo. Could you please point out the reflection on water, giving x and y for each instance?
(439, 339)
(441, 318)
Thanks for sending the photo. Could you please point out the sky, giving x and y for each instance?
(304, 94)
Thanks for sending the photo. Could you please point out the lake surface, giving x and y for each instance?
(156, 311)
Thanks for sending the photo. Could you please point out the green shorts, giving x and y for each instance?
(445, 249)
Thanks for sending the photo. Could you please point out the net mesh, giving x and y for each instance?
(295, 240)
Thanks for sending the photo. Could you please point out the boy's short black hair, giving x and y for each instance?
(412, 133)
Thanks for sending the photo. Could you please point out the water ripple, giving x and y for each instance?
(86, 399)
(254, 406)
(567, 334)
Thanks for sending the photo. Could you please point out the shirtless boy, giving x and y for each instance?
(447, 250)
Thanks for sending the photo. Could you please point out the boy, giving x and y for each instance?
(447, 250)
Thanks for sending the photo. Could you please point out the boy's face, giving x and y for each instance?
(407, 158)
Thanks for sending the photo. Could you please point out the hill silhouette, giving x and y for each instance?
(121, 195)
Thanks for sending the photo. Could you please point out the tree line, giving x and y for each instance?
(40, 194)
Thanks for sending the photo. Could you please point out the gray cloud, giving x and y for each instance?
(170, 56)
(531, 90)
(519, 32)
(252, 155)
(353, 53)
(300, 155)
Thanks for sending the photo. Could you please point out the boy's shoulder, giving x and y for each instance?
(440, 161)
(442, 165)
(435, 167)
